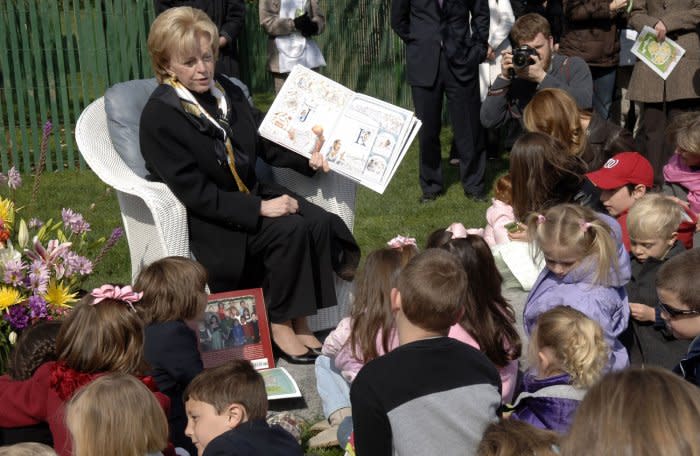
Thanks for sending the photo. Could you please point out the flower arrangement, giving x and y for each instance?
(42, 263)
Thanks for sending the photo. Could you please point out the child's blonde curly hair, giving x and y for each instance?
(576, 341)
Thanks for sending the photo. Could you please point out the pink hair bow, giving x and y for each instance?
(458, 231)
(125, 294)
(401, 241)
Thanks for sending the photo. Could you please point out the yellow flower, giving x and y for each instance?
(58, 295)
(8, 297)
(7, 213)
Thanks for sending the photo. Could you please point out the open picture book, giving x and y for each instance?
(361, 137)
(235, 327)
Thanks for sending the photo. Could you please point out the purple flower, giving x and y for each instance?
(35, 223)
(74, 221)
(14, 179)
(47, 128)
(14, 272)
(37, 307)
(76, 264)
(38, 277)
(17, 317)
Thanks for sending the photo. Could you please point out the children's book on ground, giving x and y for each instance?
(235, 327)
(361, 137)
(660, 56)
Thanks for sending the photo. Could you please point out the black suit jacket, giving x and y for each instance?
(426, 28)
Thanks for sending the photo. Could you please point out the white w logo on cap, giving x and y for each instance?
(611, 163)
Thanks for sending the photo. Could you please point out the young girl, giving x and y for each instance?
(682, 173)
(500, 213)
(103, 333)
(488, 318)
(35, 346)
(367, 333)
(173, 292)
(116, 414)
(568, 354)
(587, 268)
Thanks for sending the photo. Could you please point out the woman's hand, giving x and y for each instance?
(660, 28)
(279, 207)
(318, 161)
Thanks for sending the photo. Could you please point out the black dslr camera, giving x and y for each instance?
(522, 57)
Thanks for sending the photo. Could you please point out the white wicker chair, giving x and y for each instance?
(155, 221)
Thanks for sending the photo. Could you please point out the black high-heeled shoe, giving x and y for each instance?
(305, 358)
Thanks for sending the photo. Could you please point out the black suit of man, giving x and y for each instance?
(443, 52)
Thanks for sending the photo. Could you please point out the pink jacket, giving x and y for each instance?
(336, 346)
(677, 172)
(498, 215)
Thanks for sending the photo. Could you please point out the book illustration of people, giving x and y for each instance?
(235, 327)
(361, 137)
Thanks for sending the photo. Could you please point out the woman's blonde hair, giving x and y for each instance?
(555, 113)
(576, 341)
(517, 438)
(654, 216)
(116, 414)
(637, 411)
(27, 449)
(175, 32)
(103, 337)
(173, 289)
(578, 230)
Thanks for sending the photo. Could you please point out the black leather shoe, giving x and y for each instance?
(315, 351)
(305, 358)
(428, 197)
(478, 197)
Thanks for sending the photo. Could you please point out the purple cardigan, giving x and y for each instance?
(606, 305)
(545, 407)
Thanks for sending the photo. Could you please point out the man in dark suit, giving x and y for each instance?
(443, 52)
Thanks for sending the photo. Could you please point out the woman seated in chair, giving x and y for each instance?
(198, 135)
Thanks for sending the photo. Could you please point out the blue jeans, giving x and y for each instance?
(603, 89)
(332, 387)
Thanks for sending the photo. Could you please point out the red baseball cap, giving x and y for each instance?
(622, 169)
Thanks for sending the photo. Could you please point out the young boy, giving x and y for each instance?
(623, 179)
(679, 297)
(226, 408)
(432, 394)
(652, 224)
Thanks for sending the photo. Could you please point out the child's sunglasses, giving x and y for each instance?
(673, 312)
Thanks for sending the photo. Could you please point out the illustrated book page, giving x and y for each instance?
(279, 384)
(361, 137)
(662, 57)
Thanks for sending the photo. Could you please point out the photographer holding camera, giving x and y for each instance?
(532, 66)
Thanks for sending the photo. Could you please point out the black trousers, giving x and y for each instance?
(463, 104)
(294, 257)
(651, 137)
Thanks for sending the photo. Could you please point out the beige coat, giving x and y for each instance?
(274, 25)
(682, 19)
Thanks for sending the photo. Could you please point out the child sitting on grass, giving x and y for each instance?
(226, 407)
(432, 394)
(652, 224)
(678, 288)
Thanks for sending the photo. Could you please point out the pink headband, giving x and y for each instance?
(458, 231)
(401, 241)
(124, 294)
